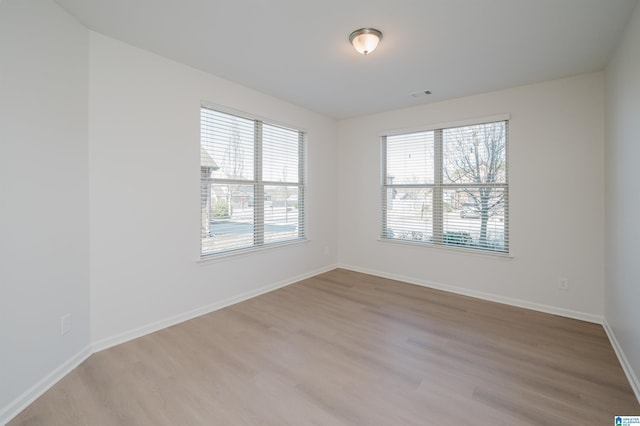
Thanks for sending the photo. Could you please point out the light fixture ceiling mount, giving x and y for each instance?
(365, 40)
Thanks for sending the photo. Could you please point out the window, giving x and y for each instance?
(447, 187)
(252, 183)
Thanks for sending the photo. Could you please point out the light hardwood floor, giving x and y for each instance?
(345, 348)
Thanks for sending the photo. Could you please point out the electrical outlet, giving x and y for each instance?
(65, 324)
(563, 284)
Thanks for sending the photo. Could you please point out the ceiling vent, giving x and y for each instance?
(420, 93)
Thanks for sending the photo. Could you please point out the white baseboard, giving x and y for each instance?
(33, 393)
(185, 316)
(628, 370)
(14, 408)
(583, 316)
(28, 397)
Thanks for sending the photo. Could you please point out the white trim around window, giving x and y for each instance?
(252, 180)
(447, 186)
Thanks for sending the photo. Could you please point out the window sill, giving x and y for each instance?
(454, 250)
(214, 258)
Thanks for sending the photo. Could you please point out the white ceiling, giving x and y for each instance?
(298, 50)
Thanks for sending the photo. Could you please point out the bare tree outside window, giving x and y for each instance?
(233, 167)
(477, 155)
(233, 164)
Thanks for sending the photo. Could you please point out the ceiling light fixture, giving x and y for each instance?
(365, 40)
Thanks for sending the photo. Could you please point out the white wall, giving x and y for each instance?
(44, 195)
(622, 290)
(556, 198)
(76, 105)
(145, 193)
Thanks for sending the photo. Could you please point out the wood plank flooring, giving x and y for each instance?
(345, 348)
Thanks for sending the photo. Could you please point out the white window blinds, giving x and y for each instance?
(252, 183)
(448, 187)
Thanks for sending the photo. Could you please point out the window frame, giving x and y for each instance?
(259, 184)
(438, 187)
